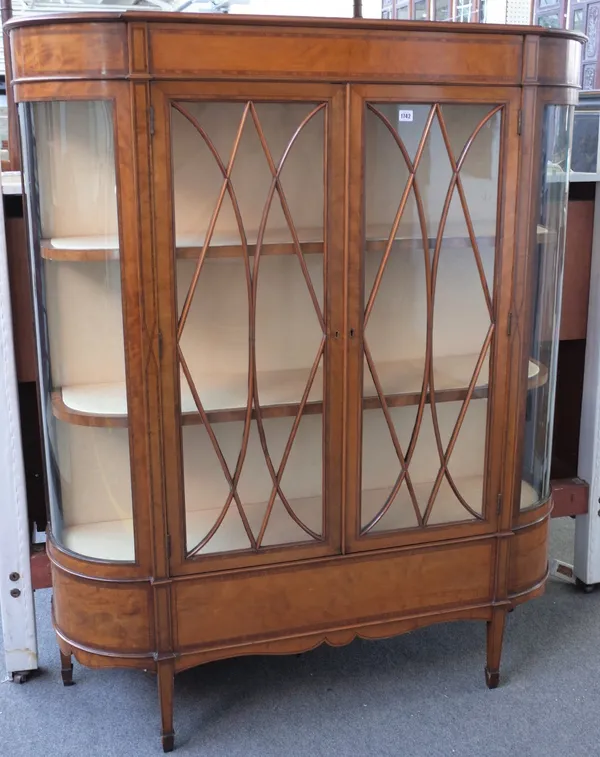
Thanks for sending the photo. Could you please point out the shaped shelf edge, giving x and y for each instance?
(79, 417)
(100, 249)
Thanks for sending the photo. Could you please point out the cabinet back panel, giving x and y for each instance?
(76, 169)
(197, 178)
(85, 322)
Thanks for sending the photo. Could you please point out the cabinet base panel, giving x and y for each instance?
(279, 609)
(333, 638)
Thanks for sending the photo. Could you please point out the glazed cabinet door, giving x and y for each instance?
(431, 240)
(249, 227)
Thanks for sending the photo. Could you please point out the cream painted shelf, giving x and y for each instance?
(275, 242)
(113, 540)
(224, 396)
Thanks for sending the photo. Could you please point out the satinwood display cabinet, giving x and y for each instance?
(297, 288)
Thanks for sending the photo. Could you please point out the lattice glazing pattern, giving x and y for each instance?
(252, 146)
(436, 450)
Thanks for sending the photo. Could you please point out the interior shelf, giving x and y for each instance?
(275, 242)
(224, 396)
(113, 540)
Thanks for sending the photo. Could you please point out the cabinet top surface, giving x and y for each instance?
(342, 24)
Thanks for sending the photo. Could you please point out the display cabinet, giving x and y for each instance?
(297, 288)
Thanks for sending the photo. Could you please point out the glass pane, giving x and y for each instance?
(442, 10)
(549, 20)
(421, 10)
(584, 157)
(250, 282)
(403, 12)
(429, 270)
(464, 9)
(578, 20)
(548, 269)
(72, 205)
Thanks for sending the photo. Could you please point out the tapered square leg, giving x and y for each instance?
(166, 681)
(66, 669)
(495, 635)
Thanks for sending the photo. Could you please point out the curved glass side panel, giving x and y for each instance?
(546, 293)
(70, 184)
